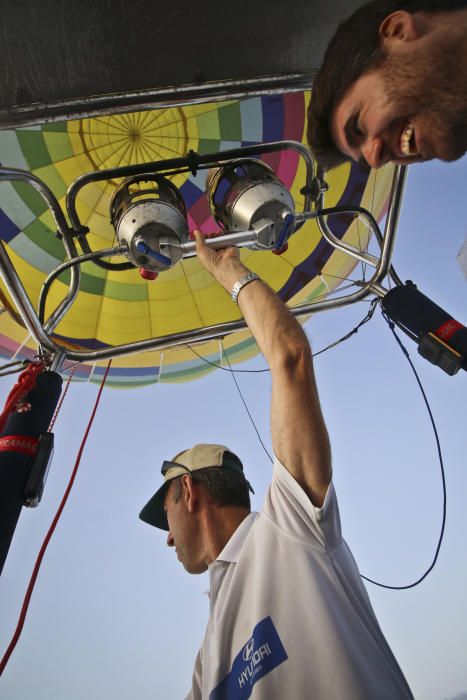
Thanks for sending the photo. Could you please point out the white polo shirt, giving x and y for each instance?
(290, 617)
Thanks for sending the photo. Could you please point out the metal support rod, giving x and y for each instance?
(238, 238)
(379, 290)
(33, 324)
(395, 198)
(56, 317)
(14, 174)
(198, 335)
(65, 304)
(57, 362)
(208, 333)
(220, 330)
(392, 219)
(335, 242)
(23, 304)
(193, 161)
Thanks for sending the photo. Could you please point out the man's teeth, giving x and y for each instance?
(408, 148)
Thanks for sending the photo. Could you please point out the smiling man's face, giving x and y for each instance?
(406, 110)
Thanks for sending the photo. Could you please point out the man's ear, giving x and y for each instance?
(189, 492)
(400, 26)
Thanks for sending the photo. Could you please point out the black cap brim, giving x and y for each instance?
(153, 512)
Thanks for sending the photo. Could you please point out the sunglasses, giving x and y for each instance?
(167, 466)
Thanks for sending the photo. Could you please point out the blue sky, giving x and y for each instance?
(113, 614)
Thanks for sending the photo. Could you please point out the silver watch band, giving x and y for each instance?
(242, 282)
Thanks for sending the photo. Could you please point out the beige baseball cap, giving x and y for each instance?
(186, 462)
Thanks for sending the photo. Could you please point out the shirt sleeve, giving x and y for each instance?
(291, 509)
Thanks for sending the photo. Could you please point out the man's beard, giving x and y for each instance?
(432, 88)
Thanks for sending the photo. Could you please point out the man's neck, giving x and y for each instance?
(220, 524)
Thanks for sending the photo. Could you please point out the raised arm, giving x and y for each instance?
(299, 436)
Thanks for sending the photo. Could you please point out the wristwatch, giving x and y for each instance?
(242, 282)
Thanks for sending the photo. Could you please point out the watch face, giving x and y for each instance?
(238, 286)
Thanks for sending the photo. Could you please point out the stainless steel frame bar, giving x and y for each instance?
(22, 302)
(192, 161)
(15, 174)
(54, 320)
(392, 219)
(27, 312)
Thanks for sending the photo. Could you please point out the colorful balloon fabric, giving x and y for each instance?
(115, 307)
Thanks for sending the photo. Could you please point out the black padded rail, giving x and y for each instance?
(88, 57)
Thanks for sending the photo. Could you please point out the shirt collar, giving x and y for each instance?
(232, 549)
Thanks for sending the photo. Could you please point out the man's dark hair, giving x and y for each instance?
(225, 487)
(354, 50)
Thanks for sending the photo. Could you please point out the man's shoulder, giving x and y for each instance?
(289, 507)
(289, 486)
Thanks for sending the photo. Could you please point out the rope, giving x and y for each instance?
(62, 398)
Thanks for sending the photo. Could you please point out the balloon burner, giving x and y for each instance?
(247, 194)
(149, 216)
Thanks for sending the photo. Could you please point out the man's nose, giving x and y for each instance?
(170, 540)
(374, 152)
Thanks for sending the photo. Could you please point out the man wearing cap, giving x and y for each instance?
(289, 615)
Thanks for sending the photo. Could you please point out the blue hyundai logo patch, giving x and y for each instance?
(262, 653)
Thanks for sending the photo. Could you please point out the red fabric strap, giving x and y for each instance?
(19, 443)
(26, 382)
(448, 329)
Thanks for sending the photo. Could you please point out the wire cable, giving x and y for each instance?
(348, 335)
(443, 477)
(245, 405)
(40, 556)
(229, 368)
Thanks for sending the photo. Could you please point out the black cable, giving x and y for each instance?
(246, 407)
(405, 330)
(315, 354)
(443, 478)
(348, 335)
(229, 368)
